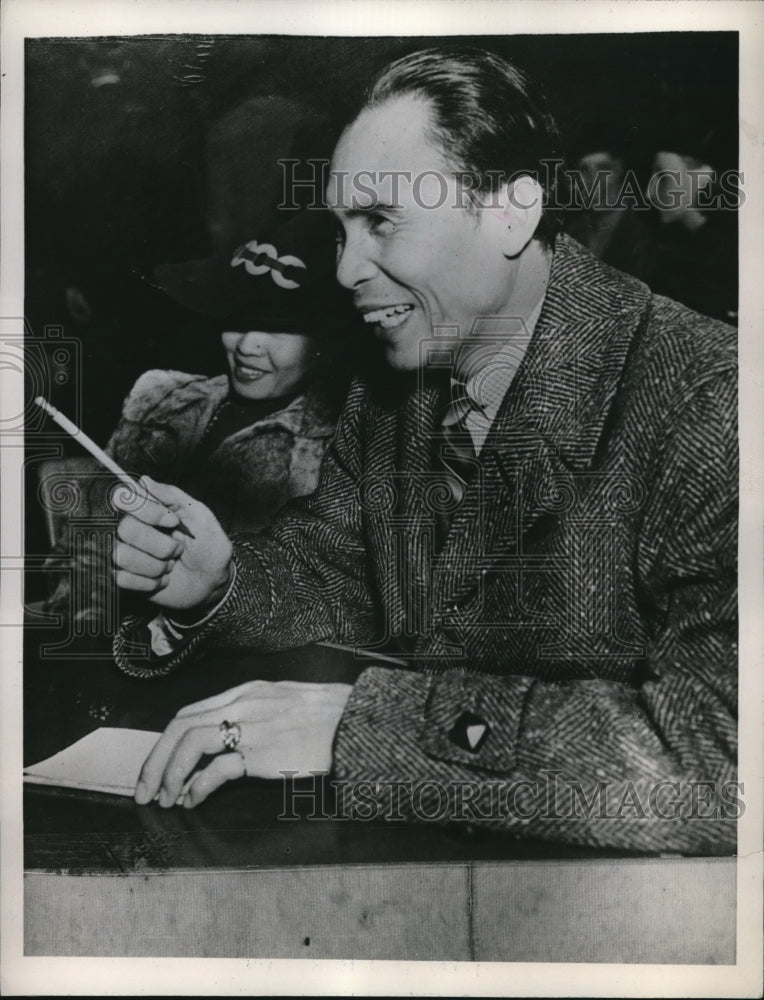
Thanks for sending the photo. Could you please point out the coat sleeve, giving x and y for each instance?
(649, 767)
(305, 579)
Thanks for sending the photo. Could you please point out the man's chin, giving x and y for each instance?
(401, 360)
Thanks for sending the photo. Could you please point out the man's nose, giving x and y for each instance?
(355, 262)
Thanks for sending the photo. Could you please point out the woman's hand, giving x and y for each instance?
(285, 726)
(173, 570)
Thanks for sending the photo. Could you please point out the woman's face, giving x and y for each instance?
(268, 365)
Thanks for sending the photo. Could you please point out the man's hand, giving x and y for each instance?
(174, 571)
(285, 726)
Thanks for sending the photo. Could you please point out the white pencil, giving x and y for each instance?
(98, 453)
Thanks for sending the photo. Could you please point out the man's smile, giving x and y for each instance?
(387, 317)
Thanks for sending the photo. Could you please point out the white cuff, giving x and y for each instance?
(167, 634)
(163, 639)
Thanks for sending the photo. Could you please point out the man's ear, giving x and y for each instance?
(516, 212)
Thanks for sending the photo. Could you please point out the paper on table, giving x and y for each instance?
(107, 760)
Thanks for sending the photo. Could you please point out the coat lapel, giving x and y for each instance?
(551, 421)
(396, 485)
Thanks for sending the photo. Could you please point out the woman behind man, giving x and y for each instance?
(246, 441)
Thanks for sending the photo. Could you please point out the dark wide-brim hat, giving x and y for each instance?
(283, 281)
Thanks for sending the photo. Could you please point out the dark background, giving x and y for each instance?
(135, 154)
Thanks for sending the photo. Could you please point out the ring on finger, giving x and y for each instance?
(231, 735)
(243, 762)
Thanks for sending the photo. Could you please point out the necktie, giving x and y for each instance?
(455, 457)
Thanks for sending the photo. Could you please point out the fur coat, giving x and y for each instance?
(245, 480)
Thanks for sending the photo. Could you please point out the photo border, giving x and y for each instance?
(22, 975)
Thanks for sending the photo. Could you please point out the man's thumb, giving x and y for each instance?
(170, 496)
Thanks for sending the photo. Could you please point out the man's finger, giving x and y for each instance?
(170, 496)
(141, 536)
(144, 584)
(139, 562)
(154, 766)
(144, 508)
(192, 745)
(225, 767)
(224, 699)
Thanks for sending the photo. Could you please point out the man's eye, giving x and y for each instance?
(380, 225)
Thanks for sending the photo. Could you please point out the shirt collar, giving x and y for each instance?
(488, 384)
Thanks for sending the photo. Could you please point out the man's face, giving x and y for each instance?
(414, 255)
(603, 172)
(675, 184)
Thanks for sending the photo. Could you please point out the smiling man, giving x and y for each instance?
(421, 251)
(537, 514)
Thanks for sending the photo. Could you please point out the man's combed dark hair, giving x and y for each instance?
(488, 119)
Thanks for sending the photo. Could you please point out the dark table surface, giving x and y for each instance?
(239, 825)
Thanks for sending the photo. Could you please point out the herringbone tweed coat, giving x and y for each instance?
(583, 605)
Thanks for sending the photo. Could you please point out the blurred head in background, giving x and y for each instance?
(690, 168)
